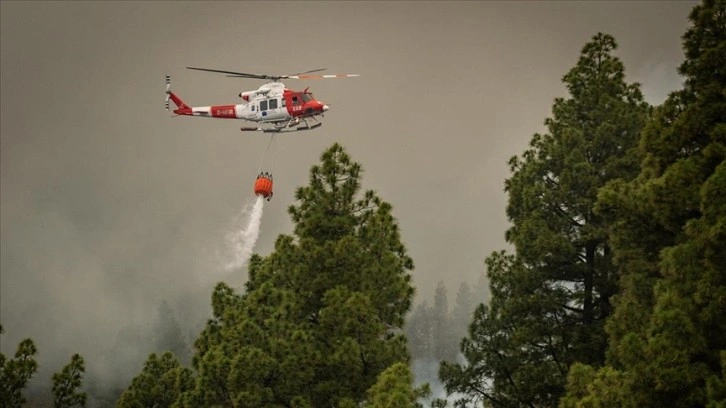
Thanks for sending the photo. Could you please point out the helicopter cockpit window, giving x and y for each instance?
(263, 105)
(307, 97)
(273, 103)
(295, 101)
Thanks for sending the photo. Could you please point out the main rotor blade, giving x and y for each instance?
(321, 76)
(251, 76)
(307, 72)
(237, 74)
(300, 75)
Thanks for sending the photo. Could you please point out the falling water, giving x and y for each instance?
(243, 236)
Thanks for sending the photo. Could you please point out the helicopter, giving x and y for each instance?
(274, 107)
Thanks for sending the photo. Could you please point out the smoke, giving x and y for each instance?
(426, 371)
(243, 235)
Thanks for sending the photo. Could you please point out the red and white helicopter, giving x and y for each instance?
(274, 107)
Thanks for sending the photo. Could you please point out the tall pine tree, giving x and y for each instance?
(322, 315)
(444, 344)
(550, 301)
(668, 332)
(419, 332)
(462, 314)
(15, 373)
(67, 382)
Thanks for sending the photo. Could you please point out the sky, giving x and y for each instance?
(109, 205)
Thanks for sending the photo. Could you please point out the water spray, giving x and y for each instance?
(243, 237)
(246, 228)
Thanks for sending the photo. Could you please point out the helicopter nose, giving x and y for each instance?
(325, 108)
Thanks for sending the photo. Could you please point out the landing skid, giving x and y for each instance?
(280, 130)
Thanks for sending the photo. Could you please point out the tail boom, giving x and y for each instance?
(219, 111)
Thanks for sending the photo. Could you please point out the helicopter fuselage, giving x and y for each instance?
(270, 103)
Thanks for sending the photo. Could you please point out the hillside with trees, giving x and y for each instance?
(614, 293)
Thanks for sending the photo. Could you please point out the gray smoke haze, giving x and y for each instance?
(108, 206)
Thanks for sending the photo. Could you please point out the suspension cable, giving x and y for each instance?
(272, 138)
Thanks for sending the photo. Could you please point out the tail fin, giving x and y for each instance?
(182, 108)
(177, 101)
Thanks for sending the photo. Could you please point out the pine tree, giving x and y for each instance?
(462, 314)
(502, 369)
(322, 315)
(16, 372)
(419, 332)
(67, 382)
(443, 342)
(667, 334)
(555, 294)
(159, 384)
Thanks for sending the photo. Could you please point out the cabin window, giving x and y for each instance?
(263, 105)
(273, 103)
(284, 102)
(253, 108)
(295, 101)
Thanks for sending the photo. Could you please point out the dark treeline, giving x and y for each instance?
(614, 295)
(74, 385)
(434, 330)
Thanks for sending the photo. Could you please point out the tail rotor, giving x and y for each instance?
(168, 87)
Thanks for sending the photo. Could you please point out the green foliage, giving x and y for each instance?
(549, 301)
(16, 372)
(501, 369)
(67, 382)
(159, 384)
(393, 388)
(583, 380)
(322, 315)
(716, 386)
(668, 232)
